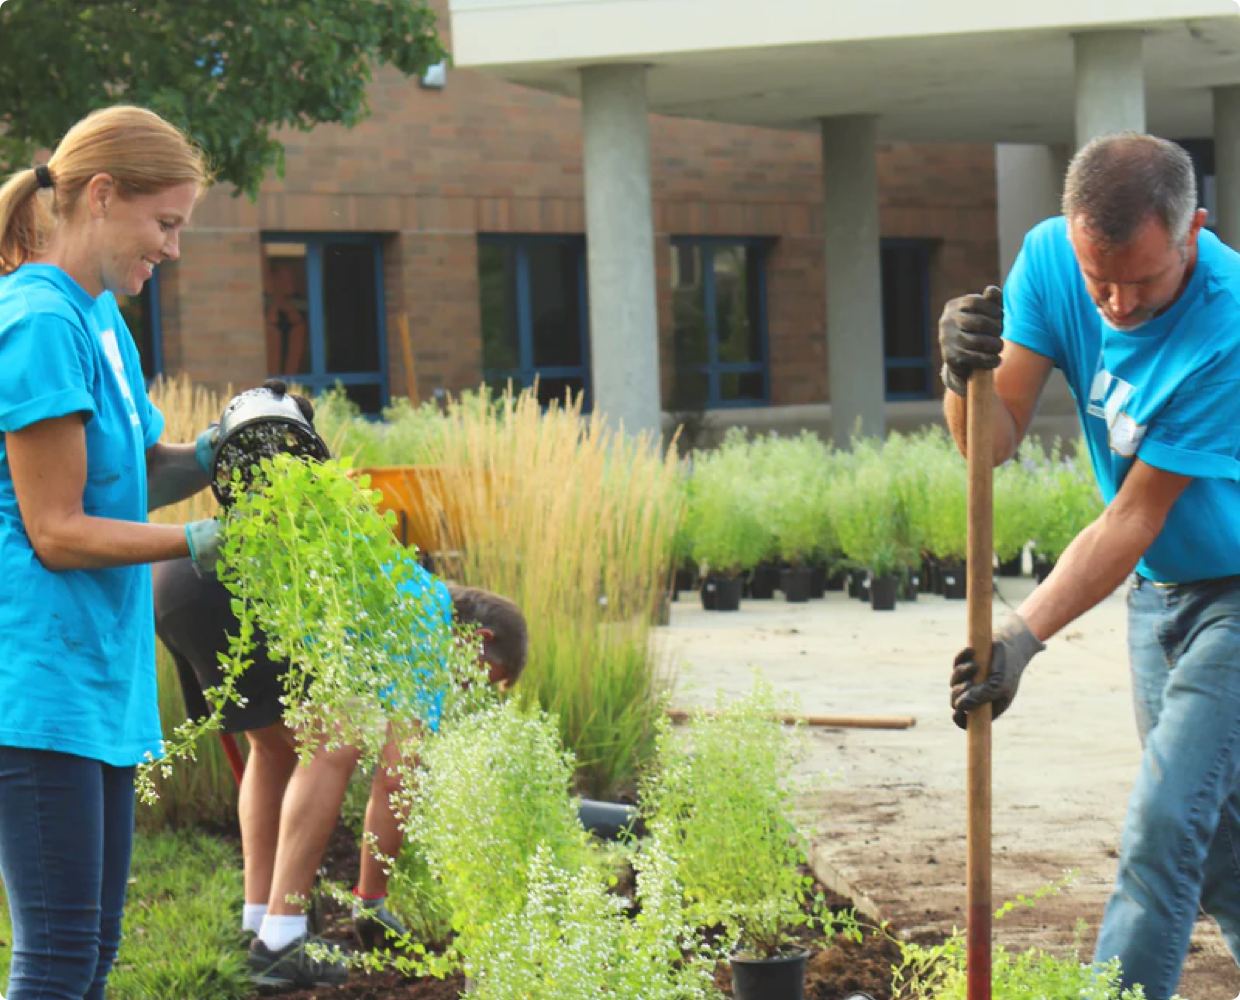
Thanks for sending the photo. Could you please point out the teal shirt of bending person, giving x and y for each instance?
(432, 629)
(77, 647)
(1165, 392)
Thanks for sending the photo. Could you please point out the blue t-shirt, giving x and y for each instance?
(433, 627)
(1167, 393)
(77, 648)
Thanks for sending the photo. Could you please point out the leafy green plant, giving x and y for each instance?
(490, 794)
(725, 521)
(1015, 501)
(792, 499)
(868, 513)
(719, 800)
(1065, 497)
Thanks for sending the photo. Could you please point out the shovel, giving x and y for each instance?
(980, 448)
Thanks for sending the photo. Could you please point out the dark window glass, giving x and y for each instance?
(555, 305)
(907, 382)
(556, 389)
(717, 302)
(369, 396)
(740, 337)
(746, 386)
(497, 281)
(350, 308)
(286, 309)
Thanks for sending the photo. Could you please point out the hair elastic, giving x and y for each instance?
(43, 175)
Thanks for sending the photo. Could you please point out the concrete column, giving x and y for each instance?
(1029, 181)
(856, 379)
(624, 344)
(1110, 84)
(1227, 164)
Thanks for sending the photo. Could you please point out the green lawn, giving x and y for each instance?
(182, 938)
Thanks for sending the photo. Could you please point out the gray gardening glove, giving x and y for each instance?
(970, 336)
(1012, 649)
(204, 539)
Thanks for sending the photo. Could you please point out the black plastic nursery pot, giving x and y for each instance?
(910, 585)
(684, 579)
(1042, 568)
(955, 581)
(883, 592)
(795, 584)
(817, 581)
(855, 579)
(779, 978)
(722, 593)
(836, 581)
(607, 820)
(1010, 567)
(867, 580)
(764, 582)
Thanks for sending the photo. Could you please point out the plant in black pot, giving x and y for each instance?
(724, 528)
(795, 503)
(1065, 502)
(869, 517)
(719, 798)
(947, 531)
(1014, 508)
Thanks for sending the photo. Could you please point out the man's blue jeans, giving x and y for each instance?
(1181, 841)
(66, 830)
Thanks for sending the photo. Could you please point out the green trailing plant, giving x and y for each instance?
(312, 563)
(719, 799)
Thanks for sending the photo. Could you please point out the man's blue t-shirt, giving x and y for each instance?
(1167, 393)
(77, 648)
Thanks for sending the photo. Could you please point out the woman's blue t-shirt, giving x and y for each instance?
(77, 648)
(1167, 393)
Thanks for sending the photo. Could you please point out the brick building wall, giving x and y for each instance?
(430, 170)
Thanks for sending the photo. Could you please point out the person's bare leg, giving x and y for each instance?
(259, 800)
(311, 808)
(381, 832)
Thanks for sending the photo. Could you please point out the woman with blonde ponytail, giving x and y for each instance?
(80, 466)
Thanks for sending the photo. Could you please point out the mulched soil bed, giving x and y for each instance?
(833, 973)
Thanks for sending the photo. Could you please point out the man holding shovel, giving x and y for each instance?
(1140, 308)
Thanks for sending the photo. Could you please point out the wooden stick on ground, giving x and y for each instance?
(826, 721)
(980, 448)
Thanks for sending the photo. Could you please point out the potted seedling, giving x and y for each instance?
(723, 523)
(719, 798)
(796, 508)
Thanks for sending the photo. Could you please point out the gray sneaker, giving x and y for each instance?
(291, 968)
(376, 926)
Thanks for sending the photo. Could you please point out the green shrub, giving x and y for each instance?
(1064, 495)
(719, 801)
(868, 512)
(790, 483)
(725, 522)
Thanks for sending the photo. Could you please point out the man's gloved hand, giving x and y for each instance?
(970, 336)
(204, 545)
(1012, 649)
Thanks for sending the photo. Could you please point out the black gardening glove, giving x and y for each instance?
(280, 387)
(1012, 649)
(970, 336)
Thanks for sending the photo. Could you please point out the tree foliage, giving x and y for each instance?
(230, 72)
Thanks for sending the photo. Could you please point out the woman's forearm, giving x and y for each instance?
(84, 542)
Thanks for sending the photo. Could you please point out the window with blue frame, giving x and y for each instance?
(141, 313)
(323, 314)
(535, 324)
(906, 317)
(719, 323)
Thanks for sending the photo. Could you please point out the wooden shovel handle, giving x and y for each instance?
(980, 448)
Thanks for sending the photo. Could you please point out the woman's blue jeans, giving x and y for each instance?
(1180, 848)
(66, 831)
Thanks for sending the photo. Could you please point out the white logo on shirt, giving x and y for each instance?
(113, 350)
(1107, 397)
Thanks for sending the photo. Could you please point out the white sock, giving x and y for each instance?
(252, 916)
(280, 932)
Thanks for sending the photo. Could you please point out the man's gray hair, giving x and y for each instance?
(1116, 182)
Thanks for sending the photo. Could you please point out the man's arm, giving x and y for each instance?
(1019, 381)
(173, 474)
(1101, 557)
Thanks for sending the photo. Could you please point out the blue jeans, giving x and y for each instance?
(1180, 848)
(66, 830)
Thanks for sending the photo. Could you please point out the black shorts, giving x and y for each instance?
(194, 618)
